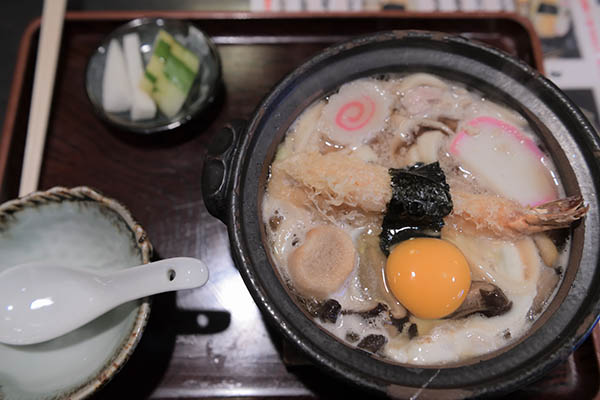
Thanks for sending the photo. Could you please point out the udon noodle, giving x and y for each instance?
(384, 161)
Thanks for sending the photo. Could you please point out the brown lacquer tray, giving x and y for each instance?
(212, 342)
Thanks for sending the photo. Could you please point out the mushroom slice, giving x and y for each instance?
(451, 123)
(485, 298)
(323, 263)
(426, 149)
(406, 130)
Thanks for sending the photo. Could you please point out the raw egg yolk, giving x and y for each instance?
(429, 276)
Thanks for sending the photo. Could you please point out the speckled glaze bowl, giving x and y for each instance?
(77, 227)
(237, 167)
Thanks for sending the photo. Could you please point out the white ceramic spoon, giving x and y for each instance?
(41, 301)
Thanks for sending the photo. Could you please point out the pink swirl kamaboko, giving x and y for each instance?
(356, 113)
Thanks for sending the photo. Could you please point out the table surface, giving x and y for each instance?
(176, 320)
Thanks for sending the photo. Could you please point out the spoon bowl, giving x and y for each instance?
(41, 301)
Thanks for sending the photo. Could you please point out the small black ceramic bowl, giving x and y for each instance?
(236, 172)
(202, 93)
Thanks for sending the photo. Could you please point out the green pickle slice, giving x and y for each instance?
(170, 73)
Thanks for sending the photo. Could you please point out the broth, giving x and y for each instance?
(464, 171)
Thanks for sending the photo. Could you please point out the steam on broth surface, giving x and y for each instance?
(415, 219)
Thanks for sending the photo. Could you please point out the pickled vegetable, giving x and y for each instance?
(170, 74)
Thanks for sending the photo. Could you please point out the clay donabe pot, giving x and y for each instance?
(236, 171)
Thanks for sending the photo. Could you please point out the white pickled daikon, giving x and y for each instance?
(116, 86)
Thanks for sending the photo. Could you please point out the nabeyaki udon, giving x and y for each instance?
(416, 219)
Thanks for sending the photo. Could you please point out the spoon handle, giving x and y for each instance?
(157, 277)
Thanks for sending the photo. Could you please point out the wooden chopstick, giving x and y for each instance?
(43, 86)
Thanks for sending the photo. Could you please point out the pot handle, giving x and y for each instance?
(216, 172)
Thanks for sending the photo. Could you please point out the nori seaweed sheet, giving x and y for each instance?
(420, 201)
